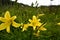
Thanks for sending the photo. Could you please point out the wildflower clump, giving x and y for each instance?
(36, 24)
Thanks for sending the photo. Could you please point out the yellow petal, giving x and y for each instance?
(34, 27)
(25, 27)
(3, 19)
(34, 18)
(8, 29)
(7, 15)
(30, 25)
(42, 28)
(14, 17)
(30, 20)
(2, 26)
(58, 23)
(44, 24)
(39, 20)
(15, 24)
(38, 23)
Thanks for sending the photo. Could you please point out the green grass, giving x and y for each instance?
(24, 13)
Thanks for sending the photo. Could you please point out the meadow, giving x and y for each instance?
(23, 13)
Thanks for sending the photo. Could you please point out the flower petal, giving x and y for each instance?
(8, 29)
(2, 26)
(58, 23)
(25, 27)
(34, 27)
(14, 17)
(15, 24)
(39, 19)
(42, 28)
(34, 18)
(38, 24)
(3, 19)
(7, 15)
(30, 20)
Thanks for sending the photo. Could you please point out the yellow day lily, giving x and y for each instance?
(35, 22)
(7, 21)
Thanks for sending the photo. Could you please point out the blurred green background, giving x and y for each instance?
(25, 12)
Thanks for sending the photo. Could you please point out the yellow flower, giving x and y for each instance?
(35, 22)
(7, 21)
(25, 26)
